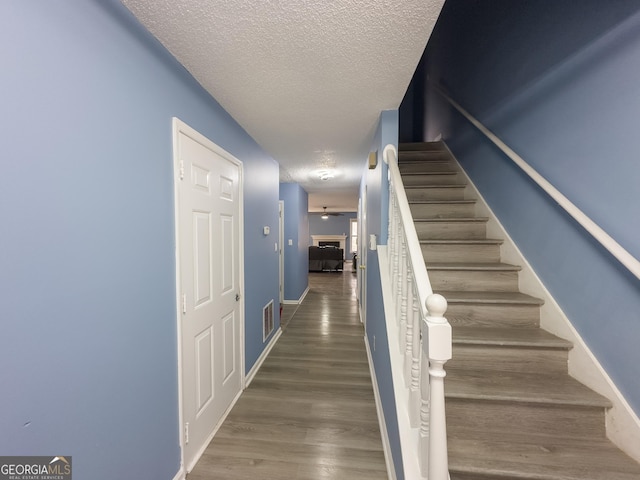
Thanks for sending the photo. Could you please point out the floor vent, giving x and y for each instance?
(267, 320)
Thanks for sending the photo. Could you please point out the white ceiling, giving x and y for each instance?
(307, 79)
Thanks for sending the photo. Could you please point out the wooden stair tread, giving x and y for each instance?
(537, 458)
(468, 266)
(464, 201)
(428, 187)
(463, 241)
(436, 152)
(505, 336)
(421, 147)
(429, 172)
(531, 388)
(514, 412)
(453, 219)
(424, 158)
(511, 298)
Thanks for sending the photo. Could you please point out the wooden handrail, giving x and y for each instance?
(619, 252)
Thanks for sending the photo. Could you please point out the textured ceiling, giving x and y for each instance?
(307, 79)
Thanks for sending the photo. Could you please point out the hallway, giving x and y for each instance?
(310, 412)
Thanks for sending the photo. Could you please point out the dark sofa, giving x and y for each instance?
(325, 259)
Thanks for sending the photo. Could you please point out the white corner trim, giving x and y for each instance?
(622, 424)
(409, 437)
(180, 475)
(265, 353)
(386, 445)
(299, 301)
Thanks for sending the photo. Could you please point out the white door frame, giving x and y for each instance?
(362, 256)
(281, 252)
(177, 127)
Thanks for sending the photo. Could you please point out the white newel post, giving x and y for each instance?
(436, 344)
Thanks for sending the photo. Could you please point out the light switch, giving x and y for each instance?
(290, 242)
(373, 242)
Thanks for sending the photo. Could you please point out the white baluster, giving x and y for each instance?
(396, 264)
(409, 330)
(390, 218)
(392, 227)
(425, 395)
(401, 302)
(414, 389)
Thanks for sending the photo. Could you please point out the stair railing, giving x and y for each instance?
(622, 255)
(424, 334)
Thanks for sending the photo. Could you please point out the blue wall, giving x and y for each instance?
(559, 82)
(377, 196)
(88, 359)
(296, 229)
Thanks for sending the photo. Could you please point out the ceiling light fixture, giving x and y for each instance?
(325, 175)
(325, 215)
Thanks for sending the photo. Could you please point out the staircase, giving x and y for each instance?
(513, 412)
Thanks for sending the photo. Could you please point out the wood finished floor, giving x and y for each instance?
(309, 413)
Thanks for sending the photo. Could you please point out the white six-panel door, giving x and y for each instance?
(208, 216)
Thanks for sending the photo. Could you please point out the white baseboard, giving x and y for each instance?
(265, 353)
(180, 475)
(386, 446)
(622, 424)
(224, 416)
(299, 301)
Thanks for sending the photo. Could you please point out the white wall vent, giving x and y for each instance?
(267, 320)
